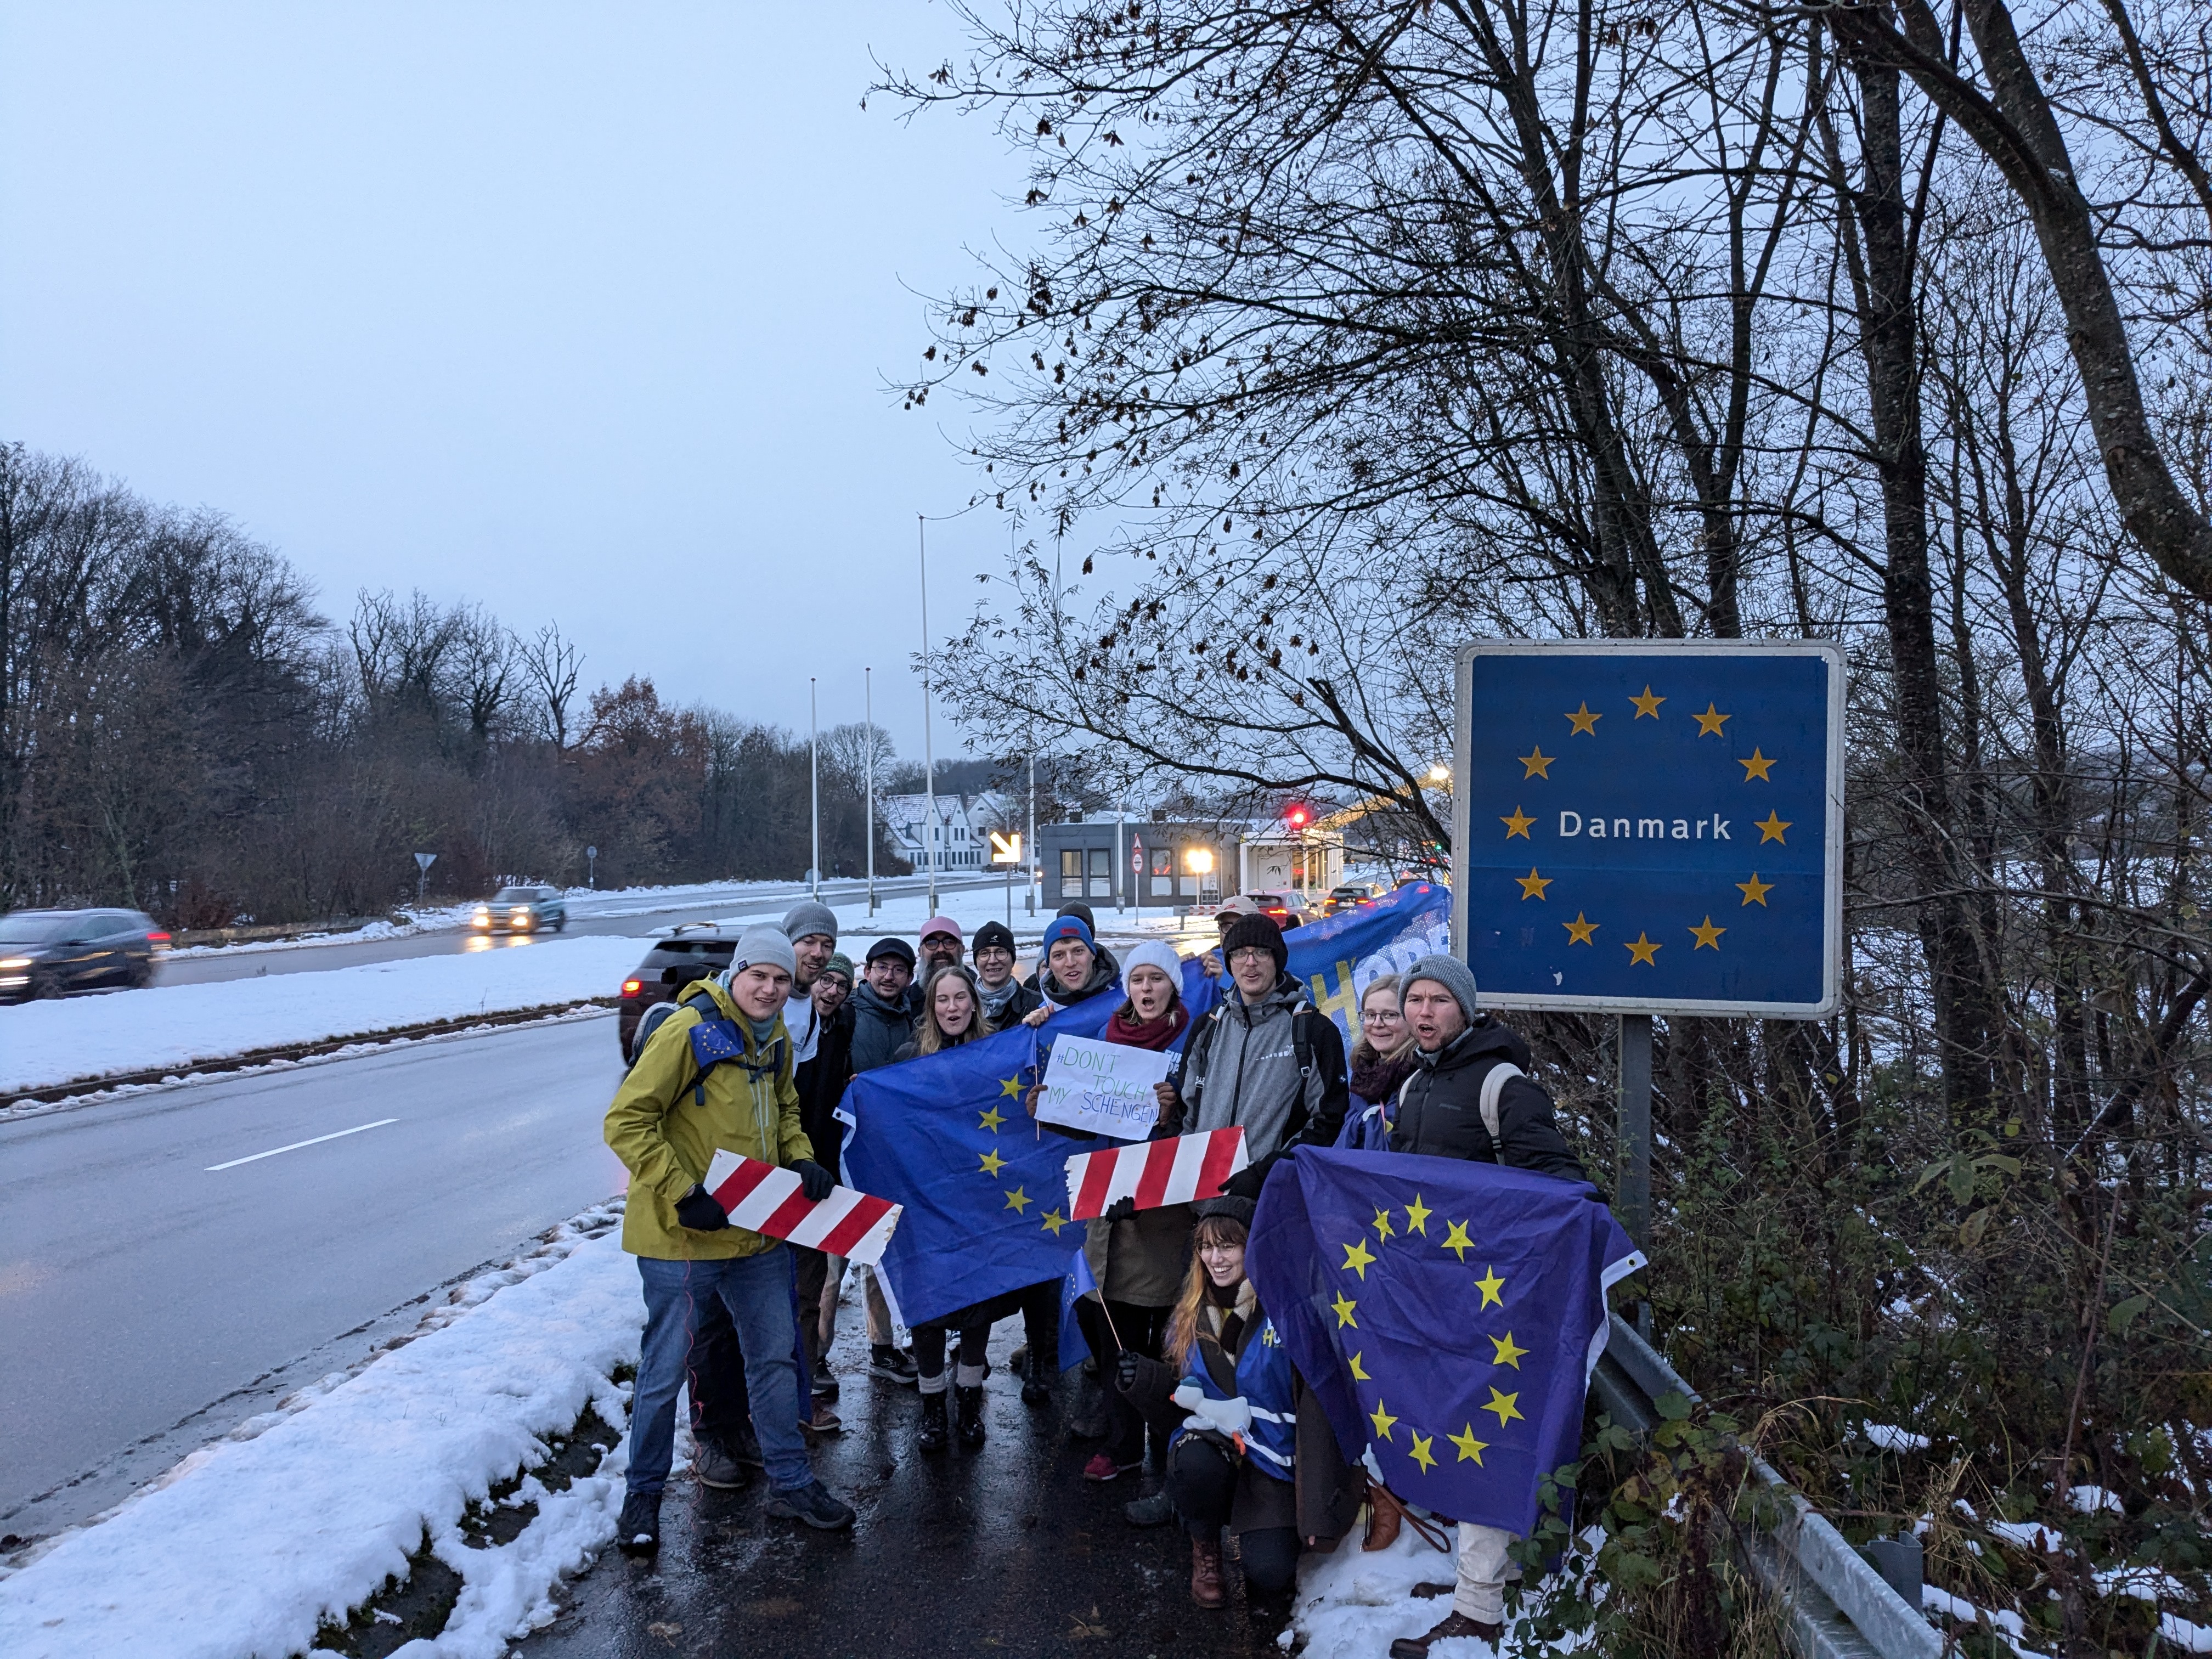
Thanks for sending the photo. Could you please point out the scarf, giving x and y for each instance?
(1376, 1079)
(994, 1002)
(1153, 1034)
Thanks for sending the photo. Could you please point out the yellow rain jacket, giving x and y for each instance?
(667, 1122)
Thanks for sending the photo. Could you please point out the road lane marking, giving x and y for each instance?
(296, 1145)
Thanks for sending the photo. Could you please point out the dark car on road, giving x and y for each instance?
(522, 910)
(1351, 896)
(50, 953)
(697, 950)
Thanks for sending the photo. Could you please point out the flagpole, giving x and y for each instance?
(868, 721)
(928, 753)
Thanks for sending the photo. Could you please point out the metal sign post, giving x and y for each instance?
(1647, 827)
(1007, 850)
(423, 863)
(1137, 874)
(592, 867)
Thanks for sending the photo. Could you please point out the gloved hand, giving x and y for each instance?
(1125, 1370)
(814, 1180)
(1248, 1182)
(698, 1210)
(1120, 1210)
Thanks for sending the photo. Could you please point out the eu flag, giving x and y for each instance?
(1446, 1314)
(985, 1188)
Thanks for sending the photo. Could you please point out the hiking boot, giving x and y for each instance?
(1154, 1511)
(712, 1466)
(1206, 1575)
(970, 1425)
(812, 1505)
(744, 1446)
(1417, 1647)
(931, 1435)
(825, 1384)
(1102, 1466)
(1036, 1381)
(638, 1531)
(824, 1421)
(893, 1365)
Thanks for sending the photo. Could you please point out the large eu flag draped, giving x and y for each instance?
(1447, 1313)
(985, 1188)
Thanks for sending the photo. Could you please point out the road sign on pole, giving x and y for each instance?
(1650, 827)
(423, 863)
(1007, 850)
(591, 867)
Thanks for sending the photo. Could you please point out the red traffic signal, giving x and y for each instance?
(1298, 816)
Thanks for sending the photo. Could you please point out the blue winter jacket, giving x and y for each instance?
(1263, 1380)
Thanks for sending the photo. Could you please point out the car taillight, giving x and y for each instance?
(157, 938)
(632, 986)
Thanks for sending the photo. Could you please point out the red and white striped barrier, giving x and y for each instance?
(1154, 1172)
(767, 1199)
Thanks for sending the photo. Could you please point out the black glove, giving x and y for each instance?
(816, 1182)
(1125, 1370)
(1120, 1210)
(1247, 1182)
(698, 1210)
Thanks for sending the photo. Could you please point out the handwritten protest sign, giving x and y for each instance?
(1103, 1087)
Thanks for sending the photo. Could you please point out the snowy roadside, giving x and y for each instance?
(245, 1547)
(50, 1043)
(1352, 1605)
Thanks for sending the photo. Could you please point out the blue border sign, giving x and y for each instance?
(1650, 827)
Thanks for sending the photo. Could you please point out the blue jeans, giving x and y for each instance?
(756, 1291)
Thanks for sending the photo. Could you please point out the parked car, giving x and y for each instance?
(1289, 909)
(697, 950)
(50, 953)
(1351, 896)
(522, 910)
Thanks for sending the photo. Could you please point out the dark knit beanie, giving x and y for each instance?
(1081, 912)
(1248, 931)
(994, 934)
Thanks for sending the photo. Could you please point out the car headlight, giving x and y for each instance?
(14, 962)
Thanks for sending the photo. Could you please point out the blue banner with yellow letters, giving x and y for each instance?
(1650, 826)
(984, 1187)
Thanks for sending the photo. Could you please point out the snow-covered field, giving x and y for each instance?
(244, 1547)
(46, 1044)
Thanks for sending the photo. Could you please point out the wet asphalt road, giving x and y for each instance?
(1005, 1550)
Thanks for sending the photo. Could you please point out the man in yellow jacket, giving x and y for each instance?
(716, 1075)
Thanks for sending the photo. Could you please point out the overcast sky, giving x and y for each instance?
(582, 311)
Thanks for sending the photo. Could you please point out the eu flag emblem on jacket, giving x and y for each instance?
(1447, 1315)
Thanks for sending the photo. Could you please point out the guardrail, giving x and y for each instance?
(1834, 1604)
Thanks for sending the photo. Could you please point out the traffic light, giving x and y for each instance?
(1298, 817)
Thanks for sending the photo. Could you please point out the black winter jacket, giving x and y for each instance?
(821, 1084)
(1439, 1112)
(881, 1029)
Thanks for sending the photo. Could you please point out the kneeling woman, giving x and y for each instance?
(952, 1014)
(1231, 1463)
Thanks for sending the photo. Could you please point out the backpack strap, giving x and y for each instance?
(1493, 1087)
(1302, 1030)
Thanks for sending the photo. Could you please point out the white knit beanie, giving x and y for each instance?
(1154, 954)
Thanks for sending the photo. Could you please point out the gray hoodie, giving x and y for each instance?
(1248, 1073)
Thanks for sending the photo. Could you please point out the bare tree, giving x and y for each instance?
(549, 663)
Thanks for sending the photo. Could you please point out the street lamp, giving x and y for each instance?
(1440, 773)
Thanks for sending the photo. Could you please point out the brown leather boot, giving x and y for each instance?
(1206, 1572)
(1384, 1516)
(1417, 1647)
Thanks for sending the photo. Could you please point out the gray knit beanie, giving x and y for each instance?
(1449, 972)
(762, 946)
(808, 917)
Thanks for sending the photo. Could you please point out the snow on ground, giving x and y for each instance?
(1888, 1437)
(1351, 1605)
(240, 1551)
(44, 1043)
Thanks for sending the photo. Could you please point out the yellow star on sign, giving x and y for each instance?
(993, 1164)
(1517, 824)
(1707, 935)
(1538, 763)
(1382, 1420)
(1533, 885)
(1647, 704)
(992, 1119)
(1417, 1217)
(1757, 767)
(1505, 1405)
(1490, 1285)
(1470, 1449)
(1580, 929)
(1054, 1221)
(1358, 1256)
(1358, 1372)
(1382, 1224)
(1011, 1086)
(1641, 948)
(1342, 1307)
(1508, 1353)
(1770, 827)
(1421, 1454)
(1709, 722)
(1457, 1241)
(1584, 721)
(1019, 1199)
(1754, 891)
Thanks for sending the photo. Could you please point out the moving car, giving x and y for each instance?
(50, 953)
(1351, 896)
(697, 950)
(1288, 909)
(522, 910)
